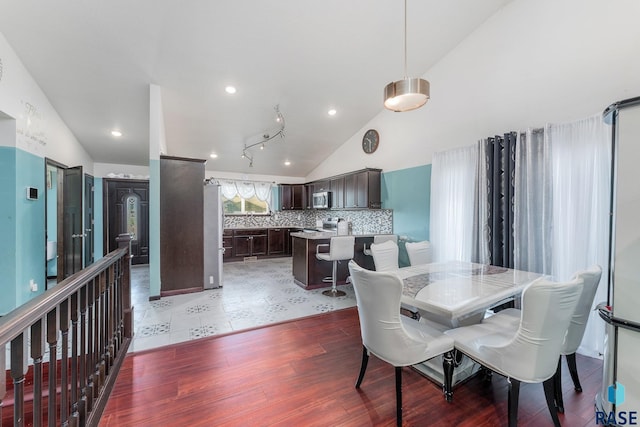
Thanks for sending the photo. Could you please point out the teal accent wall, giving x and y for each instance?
(154, 228)
(408, 193)
(22, 224)
(98, 223)
(7, 229)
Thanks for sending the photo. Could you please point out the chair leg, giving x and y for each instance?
(549, 392)
(573, 370)
(399, 396)
(557, 386)
(363, 366)
(514, 395)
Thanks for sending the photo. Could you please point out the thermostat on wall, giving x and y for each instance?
(32, 193)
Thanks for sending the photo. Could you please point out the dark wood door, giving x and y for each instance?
(88, 220)
(72, 227)
(126, 209)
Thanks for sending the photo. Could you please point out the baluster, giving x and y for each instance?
(64, 363)
(73, 421)
(18, 370)
(124, 241)
(101, 302)
(91, 339)
(108, 320)
(117, 304)
(52, 336)
(3, 378)
(84, 330)
(37, 351)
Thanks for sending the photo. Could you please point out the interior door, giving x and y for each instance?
(126, 210)
(88, 220)
(72, 227)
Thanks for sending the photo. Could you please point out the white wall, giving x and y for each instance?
(39, 128)
(533, 62)
(105, 170)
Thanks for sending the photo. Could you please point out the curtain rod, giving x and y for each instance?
(213, 180)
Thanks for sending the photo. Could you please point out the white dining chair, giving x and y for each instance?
(385, 255)
(575, 333)
(391, 337)
(380, 238)
(419, 252)
(340, 249)
(530, 352)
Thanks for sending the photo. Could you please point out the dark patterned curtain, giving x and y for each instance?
(500, 157)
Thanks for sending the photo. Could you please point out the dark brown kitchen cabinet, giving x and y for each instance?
(227, 244)
(337, 192)
(250, 242)
(181, 225)
(288, 242)
(362, 189)
(292, 197)
(277, 241)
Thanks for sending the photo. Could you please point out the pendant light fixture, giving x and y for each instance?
(406, 94)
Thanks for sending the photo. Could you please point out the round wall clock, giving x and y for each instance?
(370, 141)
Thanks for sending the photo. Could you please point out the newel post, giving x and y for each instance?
(124, 241)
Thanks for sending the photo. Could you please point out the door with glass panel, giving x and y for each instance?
(126, 211)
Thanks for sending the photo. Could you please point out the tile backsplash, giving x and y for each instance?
(362, 220)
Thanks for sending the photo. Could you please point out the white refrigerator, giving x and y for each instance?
(213, 224)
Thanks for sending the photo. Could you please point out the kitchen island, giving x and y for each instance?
(308, 271)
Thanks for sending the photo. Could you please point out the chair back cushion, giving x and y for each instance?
(591, 278)
(341, 247)
(547, 308)
(381, 238)
(383, 333)
(385, 255)
(419, 252)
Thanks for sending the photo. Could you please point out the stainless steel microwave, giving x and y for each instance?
(322, 200)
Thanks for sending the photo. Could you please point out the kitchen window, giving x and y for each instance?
(245, 197)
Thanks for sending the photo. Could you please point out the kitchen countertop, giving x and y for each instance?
(316, 235)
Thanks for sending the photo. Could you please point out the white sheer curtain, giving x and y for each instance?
(246, 190)
(581, 164)
(453, 203)
(562, 206)
(533, 201)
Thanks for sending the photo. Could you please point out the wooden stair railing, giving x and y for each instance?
(85, 325)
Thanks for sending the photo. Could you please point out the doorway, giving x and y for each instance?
(126, 211)
(64, 233)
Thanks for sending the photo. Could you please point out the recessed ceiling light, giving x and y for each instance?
(287, 163)
(332, 112)
(230, 89)
(213, 155)
(116, 133)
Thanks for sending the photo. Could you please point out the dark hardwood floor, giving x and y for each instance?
(302, 373)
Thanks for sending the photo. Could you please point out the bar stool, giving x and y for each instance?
(340, 249)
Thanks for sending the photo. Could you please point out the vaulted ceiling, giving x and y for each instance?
(95, 60)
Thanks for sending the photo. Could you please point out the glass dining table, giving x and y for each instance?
(452, 294)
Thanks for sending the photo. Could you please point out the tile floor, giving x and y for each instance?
(254, 293)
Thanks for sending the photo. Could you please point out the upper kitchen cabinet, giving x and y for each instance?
(362, 189)
(337, 192)
(292, 197)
